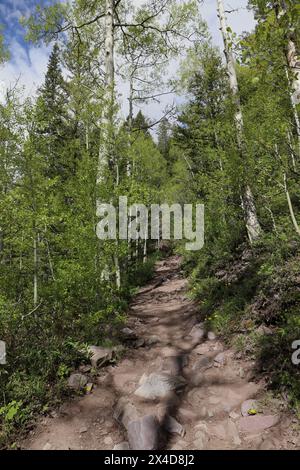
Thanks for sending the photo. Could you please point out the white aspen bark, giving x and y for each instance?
(105, 143)
(290, 141)
(35, 270)
(87, 138)
(129, 240)
(130, 119)
(117, 267)
(294, 65)
(248, 204)
(145, 252)
(272, 218)
(295, 97)
(293, 72)
(291, 209)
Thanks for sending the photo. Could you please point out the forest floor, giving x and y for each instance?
(179, 387)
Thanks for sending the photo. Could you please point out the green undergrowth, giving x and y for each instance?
(252, 299)
(44, 347)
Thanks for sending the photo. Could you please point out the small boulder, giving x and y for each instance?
(220, 359)
(201, 435)
(143, 434)
(158, 386)
(247, 406)
(77, 381)
(197, 332)
(128, 334)
(100, 356)
(203, 363)
(125, 412)
(152, 340)
(257, 423)
(211, 336)
(121, 446)
(202, 349)
(264, 330)
(85, 368)
(139, 343)
(173, 427)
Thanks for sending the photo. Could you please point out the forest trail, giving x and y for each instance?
(195, 380)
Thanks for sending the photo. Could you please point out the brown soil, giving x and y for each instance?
(208, 407)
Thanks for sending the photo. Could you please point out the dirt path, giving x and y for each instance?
(194, 380)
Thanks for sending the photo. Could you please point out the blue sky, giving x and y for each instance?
(10, 13)
(28, 63)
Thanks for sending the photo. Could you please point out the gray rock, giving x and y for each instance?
(232, 431)
(143, 434)
(211, 336)
(139, 343)
(152, 340)
(264, 330)
(85, 368)
(220, 359)
(201, 436)
(125, 412)
(248, 405)
(219, 431)
(257, 423)
(173, 365)
(83, 429)
(100, 356)
(199, 444)
(77, 381)
(186, 415)
(121, 446)
(128, 334)
(197, 332)
(202, 349)
(173, 427)
(202, 363)
(158, 386)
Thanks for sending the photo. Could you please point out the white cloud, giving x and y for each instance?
(26, 68)
(30, 67)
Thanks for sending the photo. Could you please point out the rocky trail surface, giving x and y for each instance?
(176, 387)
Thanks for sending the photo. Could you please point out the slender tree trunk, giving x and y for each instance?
(106, 144)
(106, 148)
(291, 209)
(248, 203)
(294, 67)
(35, 270)
(290, 142)
(293, 72)
(145, 252)
(268, 208)
(130, 122)
(295, 112)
